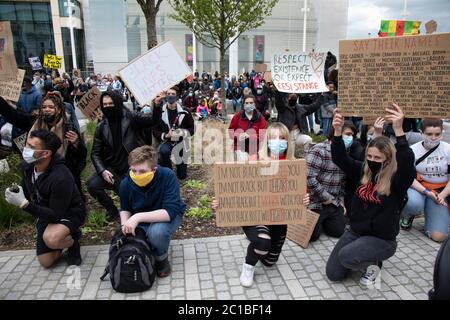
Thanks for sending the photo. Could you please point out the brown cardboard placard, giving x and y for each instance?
(301, 234)
(260, 193)
(10, 88)
(8, 66)
(411, 71)
(431, 26)
(90, 104)
(21, 141)
(261, 67)
(268, 76)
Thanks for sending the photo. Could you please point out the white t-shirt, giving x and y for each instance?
(434, 168)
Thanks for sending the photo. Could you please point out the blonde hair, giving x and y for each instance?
(388, 168)
(143, 154)
(277, 130)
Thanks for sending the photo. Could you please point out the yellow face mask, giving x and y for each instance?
(142, 180)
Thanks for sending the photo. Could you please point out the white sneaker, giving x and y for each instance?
(247, 275)
(370, 276)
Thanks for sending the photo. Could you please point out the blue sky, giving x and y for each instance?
(364, 16)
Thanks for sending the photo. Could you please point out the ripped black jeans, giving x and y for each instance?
(266, 243)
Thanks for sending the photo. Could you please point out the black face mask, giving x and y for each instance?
(374, 166)
(49, 119)
(109, 112)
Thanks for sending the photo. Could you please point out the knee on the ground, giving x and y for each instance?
(437, 236)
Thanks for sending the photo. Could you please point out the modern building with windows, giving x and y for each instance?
(43, 26)
(116, 34)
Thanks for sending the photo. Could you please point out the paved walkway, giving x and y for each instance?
(209, 268)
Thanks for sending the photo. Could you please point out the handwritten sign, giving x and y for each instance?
(52, 62)
(156, 70)
(412, 71)
(268, 76)
(10, 88)
(35, 63)
(258, 193)
(297, 72)
(8, 66)
(301, 234)
(90, 104)
(21, 141)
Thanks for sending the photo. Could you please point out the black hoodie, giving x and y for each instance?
(54, 195)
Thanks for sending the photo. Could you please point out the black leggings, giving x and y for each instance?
(265, 245)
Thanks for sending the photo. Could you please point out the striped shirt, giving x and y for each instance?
(325, 179)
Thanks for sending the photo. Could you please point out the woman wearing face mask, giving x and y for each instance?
(266, 242)
(244, 130)
(52, 116)
(215, 104)
(383, 180)
(430, 191)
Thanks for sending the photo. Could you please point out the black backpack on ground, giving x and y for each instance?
(131, 264)
(441, 274)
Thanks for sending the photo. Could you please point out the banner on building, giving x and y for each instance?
(10, 88)
(8, 66)
(299, 72)
(189, 49)
(412, 71)
(35, 63)
(395, 28)
(259, 49)
(260, 193)
(52, 62)
(157, 70)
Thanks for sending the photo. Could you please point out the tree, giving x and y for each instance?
(150, 10)
(223, 20)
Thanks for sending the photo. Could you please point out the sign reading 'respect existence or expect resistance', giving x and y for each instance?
(297, 72)
(411, 71)
(266, 193)
(156, 70)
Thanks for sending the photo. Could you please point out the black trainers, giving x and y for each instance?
(73, 254)
(162, 268)
(406, 223)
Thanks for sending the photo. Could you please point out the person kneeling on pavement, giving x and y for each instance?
(150, 199)
(49, 193)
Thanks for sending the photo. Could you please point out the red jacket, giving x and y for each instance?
(252, 127)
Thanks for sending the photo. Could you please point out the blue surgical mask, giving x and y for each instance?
(248, 107)
(28, 155)
(348, 140)
(277, 146)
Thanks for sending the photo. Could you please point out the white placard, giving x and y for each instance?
(299, 72)
(156, 70)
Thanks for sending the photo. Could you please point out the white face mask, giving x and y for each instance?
(28, 155)
(430, 144)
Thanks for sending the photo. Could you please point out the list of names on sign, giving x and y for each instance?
(412, 71)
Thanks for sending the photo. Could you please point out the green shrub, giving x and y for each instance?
(195, 184)
(11, 215)
(203, 211)
(96, 221)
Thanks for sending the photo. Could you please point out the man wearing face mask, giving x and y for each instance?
(150, 199)
(49, 193)
(174, 126)
(117, 134)
(30, 97)
(263, 101)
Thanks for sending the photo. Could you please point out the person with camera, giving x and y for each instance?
(174, 126)
(117, 134)
(49, 193)
(53, 116)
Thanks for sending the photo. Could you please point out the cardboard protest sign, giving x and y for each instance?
(301, 234)
(260, 193)
(261, 67)
(35, 63)
(10, 88)
(89, 104)
(412, 71)
(297, 72)
(21, 141)
(157, 70)
(52, 62)
(268, 76)
(431, 26)
(8, 66)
